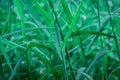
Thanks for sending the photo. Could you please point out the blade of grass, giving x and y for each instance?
(26, 30)
(113, 30)
(95, 38)
(99, 56)
(72, 25)
(5, 55)
(66, 9)
(104, 63)
(1, 66)
(17, 65)
(30, 45)
(39, 44)
(110, 75)
(28, 61)
(42, 11)
(87, 76)
(42, 76)
(58, 29)
(81, 72)
(21, 13)
(45, 60)
(80, 32)
(7, 42)
(69, 16)
(100, 30)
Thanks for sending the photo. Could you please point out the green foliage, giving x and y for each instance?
(59, 40)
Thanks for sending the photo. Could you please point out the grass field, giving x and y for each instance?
(59, 40)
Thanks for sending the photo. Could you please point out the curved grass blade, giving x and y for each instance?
(3, 50)
(45, 60)
(109, 76)
(69, 16)
(113, 30)
(87, 76)
(72, 25)
(21, 13)
(42, 76)
(66, 9)
(25, 30)
(58, 29)
(17, 65)
(95, 38)
(99, 56)
(100, 30)
(82, 73)
(28, 61)
(77, 33)
(42, 11)
(7, 42)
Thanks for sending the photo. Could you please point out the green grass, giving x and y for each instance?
(59, 40)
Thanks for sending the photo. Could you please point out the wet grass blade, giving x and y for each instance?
(99, 56)
(96, 37)
(25, 30)
(21, 14)
(42, 11)
(116, 69)
(58, 32)
(72, 25)
(66, 9)
(17, 65)
(81, 32)
(113, 30)
(3, 50)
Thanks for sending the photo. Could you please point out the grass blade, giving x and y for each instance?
(72, 25)
(42, 11)
(66, 9)
(5, 55)
(111, 23)
(77, 33)
(17, 65)
(116, 69)
(21, 13)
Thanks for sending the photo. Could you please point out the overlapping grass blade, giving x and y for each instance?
(99, 56)
(39, 44)
(58, 32)
(66, 9)
(100, 30)
(25, 30)
(21, 13)
(4, 53)
(72, 25)
(14, 45)
(43, 76)
(42, 11)
(113, 29)
(69, 16)
(28, 61)
(41, 58)
(81, 72)
(95, 38)
(44, 60)
(80, 32)
(17, 65)
(116, 69)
